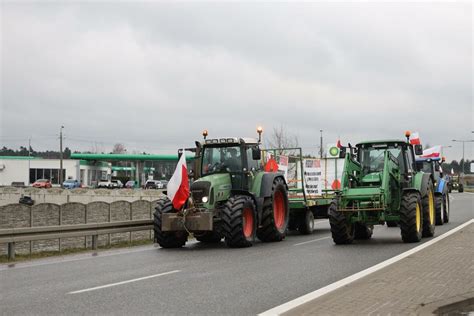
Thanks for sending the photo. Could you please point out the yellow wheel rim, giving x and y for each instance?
(431, 207)
(418, 217)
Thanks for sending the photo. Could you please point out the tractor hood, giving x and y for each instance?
(216, 187)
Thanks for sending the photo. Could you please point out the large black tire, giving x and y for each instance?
(392, 223)
(342, 231)
(209, 237)
(439, 210)
(363, 231)
(411, 217)
(429, 214)
(306, 223)
(167, 239)
(446, 207)
(239, 221)
(275, 213)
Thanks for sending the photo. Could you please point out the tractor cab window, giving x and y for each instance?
(372, 157)
(426, 167)
(221, 159)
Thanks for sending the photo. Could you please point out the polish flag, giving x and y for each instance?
(433, 152)
(178, 187)
(415, 139)
(339, 145)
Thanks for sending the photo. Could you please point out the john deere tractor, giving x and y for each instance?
(380, 183)
(231, 198)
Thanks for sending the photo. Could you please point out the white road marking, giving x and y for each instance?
(336, 285)
(124, 282)
(310, 241)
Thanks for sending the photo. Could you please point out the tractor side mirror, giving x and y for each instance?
(342, 152)
(256, 154)
(418, 150)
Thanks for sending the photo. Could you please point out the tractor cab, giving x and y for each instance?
(234, 157)
(374, 156)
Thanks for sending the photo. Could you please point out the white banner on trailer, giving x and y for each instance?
(312, 177)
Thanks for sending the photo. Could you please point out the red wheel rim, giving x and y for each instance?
(279, 210)
(248, 222)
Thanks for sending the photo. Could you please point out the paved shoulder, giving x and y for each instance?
(438, 275)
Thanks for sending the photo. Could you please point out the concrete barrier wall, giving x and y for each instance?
(50, 214)
(9, 195)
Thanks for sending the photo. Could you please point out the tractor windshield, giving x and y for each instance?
(427, 167)
(372, 157)
(221, 159)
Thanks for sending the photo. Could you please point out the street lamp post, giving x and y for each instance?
(61, 156)
(321, 144)
(463, 142)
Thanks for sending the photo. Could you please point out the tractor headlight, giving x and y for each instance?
(205, 199)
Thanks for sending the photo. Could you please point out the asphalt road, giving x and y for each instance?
(200, 279)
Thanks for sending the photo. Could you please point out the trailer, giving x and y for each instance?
(312, 183)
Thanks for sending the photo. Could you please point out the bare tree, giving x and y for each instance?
(281, 138)
(119, 148)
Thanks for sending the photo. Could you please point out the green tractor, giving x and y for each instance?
(380, 183)
(231, 198)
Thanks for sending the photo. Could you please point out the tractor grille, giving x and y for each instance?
(200, 189)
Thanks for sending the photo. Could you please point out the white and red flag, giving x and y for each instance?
(415, 139)
(433, 152)
(178, 187)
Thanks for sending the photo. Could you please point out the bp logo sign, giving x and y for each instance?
(334, 151)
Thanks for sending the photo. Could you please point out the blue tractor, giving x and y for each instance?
(433, 166)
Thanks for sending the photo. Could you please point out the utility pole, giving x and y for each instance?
(61, 156)
(29, 159)
(463, 142)
(321, 144)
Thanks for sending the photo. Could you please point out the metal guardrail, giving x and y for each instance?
(12, 235)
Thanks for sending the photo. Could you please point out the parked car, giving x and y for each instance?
(110, 184)
(42, 183)
(131, 184)
(165, 183)
(71, 184)
(153, 184)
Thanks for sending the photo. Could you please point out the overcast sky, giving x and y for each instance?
(153, 75)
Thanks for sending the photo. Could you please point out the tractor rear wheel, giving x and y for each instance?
(439, 210)
(239, 222)
(446, 207)
(167, 239)
(275, 213)
(429, 216)
(410, 217)
(306, 223)
(342, 231)
(392, 223)
(363, 231)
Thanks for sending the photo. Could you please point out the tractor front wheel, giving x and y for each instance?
(410, 217)
(429, 215)
(363, 231)
(446, 207)
(439, 210)
(275, 214)
(342, 230)
(167, 239)
(239, 222)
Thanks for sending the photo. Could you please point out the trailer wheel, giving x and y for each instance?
(446, 207)
(306, 224)
(410, 217)
(363, 231)
(342, 231)
(239, 222)
(275, 214)
(439, 210)
(167, 239)
(429, 216)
